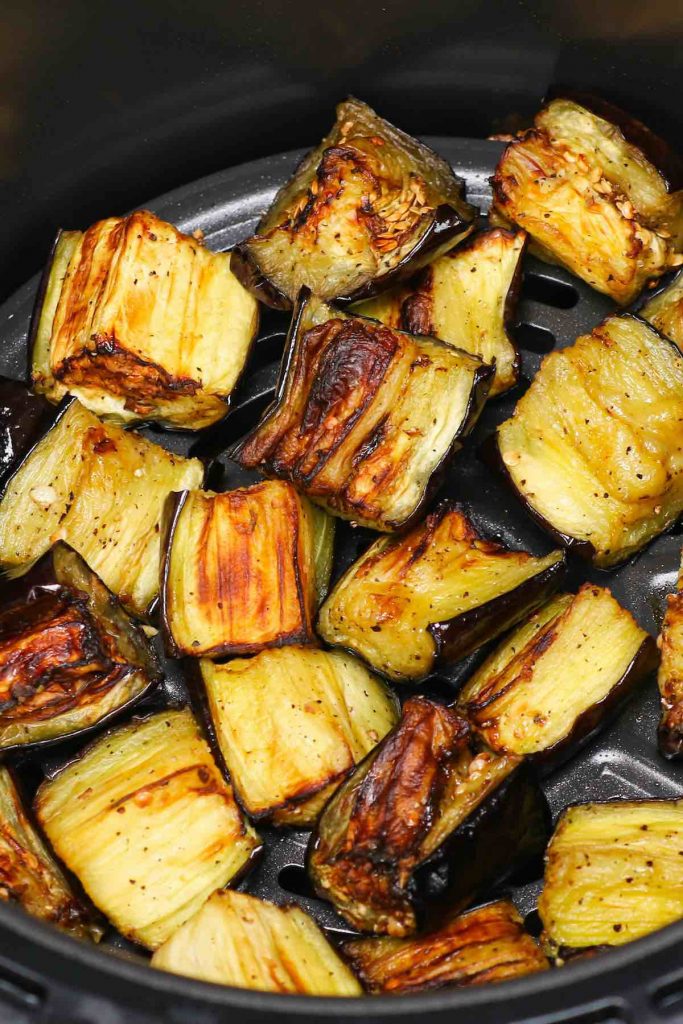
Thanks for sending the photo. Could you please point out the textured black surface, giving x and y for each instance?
(623, 762)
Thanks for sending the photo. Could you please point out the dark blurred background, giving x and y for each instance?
(104, 105)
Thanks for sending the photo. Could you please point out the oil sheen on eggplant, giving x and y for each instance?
(24, 417)
(468, 297)
(70, 656)
(366, 207)
(291, 723)
(670, 678)
(146, 822)
(484, 945)
(365, 417)
(433, 595)
(594, 448)
(236, 939)
(664, 309)
(590, 199)
(559, 677)
(425, 822)
(141, 322)
(102, 490)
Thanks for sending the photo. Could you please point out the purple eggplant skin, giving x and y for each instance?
(657, 150)
(24, 418)
(460, 636)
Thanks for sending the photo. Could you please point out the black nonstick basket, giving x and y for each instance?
(48, 977)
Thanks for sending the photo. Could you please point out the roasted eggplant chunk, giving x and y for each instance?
(29, 874)
(147, 824)
(426, 819)
(291, 723)
(100, 489)
(141, 322)
(670, 679)
(613, 872)
(238, 940)
(559, 677)
(590, 199)
(484, 945)
(365, 417)
(70, 656)
(595, 448)
(242, 570)
(23, 418)
(664, 309)
(468, 298)
(433, 595)
(366, 207)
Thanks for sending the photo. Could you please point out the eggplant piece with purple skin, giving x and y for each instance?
(366, 418)
(70, 657)
(433, 595)
(424, 823)
(24, 417)
(670, 678)
(560, 677)
(365, 208)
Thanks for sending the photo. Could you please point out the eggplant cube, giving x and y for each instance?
(433, 595)
(670, 679)
(587, 187)
(100, 489)
(366, 207)
(484, 945)
(594, 448)
(238, 940)
(29, 874)
(141, 322)
(427, 820)
(365, 417)
(664, 309)
(559, 677)
(147, 824)
(468, 298)
(243, 570)
(70, 656)
(613, 873)
(291, 723)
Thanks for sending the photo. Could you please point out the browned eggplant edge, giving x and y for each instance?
(663, 284)
(26, 417)
(38, 578)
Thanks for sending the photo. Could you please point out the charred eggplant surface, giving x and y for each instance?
(243, 570)
(590, 199)
(484, 945)
(291, 723)
(613, 872)
(366, 207)
(670, 678)
(468, 298)
(100, 489)
(595, 448)
(365, 416)
(427, 819)
(558, 677)
(70, 656)
(433, 595)
(147, 824)
(141, 322)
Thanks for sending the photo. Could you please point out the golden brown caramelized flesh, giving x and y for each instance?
(147, 824)
(100, 489)
(242, 569)
(558, 676)
(670, 676)
(436, 593)
(141, 322)
(291, 723)
(664, 310)
(613, 872)
(466, 297)
(591, 200)
(367, 203)
(485, 945)
(29, 874)
(595, 448)
(365, 416)
(236, 939)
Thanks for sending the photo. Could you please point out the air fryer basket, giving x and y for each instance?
(45, 976)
